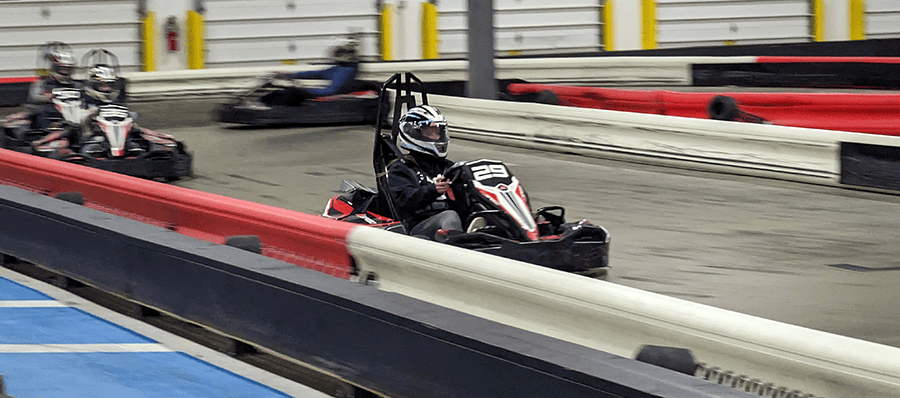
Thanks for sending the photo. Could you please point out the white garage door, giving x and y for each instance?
(84, 25)
(693, 23)
(526, 27)
(882, 19)
(269, 32)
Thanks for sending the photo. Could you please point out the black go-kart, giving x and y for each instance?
(357, 104)
(116, 144)
(483, 190)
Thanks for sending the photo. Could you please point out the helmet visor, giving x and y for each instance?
(432, 131)
(104, 87)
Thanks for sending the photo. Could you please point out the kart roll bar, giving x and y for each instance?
(385, 149)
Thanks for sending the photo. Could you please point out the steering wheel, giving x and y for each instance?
(453, 171)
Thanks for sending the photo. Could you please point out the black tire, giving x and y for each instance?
(547, 97)
(678, 359)
(250, 243)
(723, 108)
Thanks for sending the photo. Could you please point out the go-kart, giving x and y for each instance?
(20, 129)
(358, 104)
(113, 141)
(488, 198)
(116, 145)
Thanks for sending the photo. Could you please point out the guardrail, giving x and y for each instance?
(791, 153)
(301, 239)
(391, 344)
(619, 319)
(870, 113)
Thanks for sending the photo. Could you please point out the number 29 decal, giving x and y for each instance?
(486, 171)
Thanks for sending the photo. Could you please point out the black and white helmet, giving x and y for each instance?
(423, 129)
(61, 64)
(346, 52)
(102, 83)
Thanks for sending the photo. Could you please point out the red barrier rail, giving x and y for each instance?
(11, 80)
(788, 59)
(302, 239)
(863, 113)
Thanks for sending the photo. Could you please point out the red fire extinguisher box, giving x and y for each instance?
(171, 33)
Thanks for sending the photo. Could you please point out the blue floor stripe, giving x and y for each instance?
(12, 291)
(60, 325)
(117, 375)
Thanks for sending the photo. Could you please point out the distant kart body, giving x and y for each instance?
(488, 198)
(115, 146)
(20, 129)
(102, 135)
(359, 105)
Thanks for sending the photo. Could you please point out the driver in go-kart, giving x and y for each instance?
(100, 89)
(40, 93)
(345, 58)
(415, 182)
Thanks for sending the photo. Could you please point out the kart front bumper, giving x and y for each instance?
(152, 166)
(582, 249)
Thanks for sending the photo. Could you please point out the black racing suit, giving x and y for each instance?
(411, 185)
(40, 101)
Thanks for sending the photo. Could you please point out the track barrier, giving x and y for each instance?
(862, 113)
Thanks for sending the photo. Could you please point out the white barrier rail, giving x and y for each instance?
(793, 153)
(619, 319)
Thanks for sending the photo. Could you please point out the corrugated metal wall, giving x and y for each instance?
(882, 19)
(83, 24)
(526, 27)
(692, 23)
(268, 32)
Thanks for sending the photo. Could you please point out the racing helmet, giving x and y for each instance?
(346, 52)
(423, 129)
(102, 83)
(61, 64)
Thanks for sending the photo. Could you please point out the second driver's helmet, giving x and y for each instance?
(346, 52)
(102, 84)
(423, 129)
(61, 65)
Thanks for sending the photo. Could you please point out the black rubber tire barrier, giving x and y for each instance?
(71, 197)
(250, 243)
(723, 107)
(678, 359)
